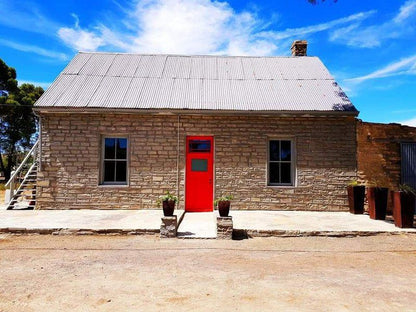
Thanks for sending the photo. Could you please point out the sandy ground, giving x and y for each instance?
(144, 273)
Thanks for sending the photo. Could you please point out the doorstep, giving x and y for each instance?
(198, 225)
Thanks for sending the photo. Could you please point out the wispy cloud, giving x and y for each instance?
(406, 66)
(27, 18)
(363, 36)
(192, 27)
(293, 32)
(34, 49)
(79, 38)
(407, 10)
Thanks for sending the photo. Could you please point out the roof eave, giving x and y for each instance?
(46, 110)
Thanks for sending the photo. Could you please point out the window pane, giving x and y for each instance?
(274, 172)
(121, 148)
(285, 151)
(274, 150)
(200, 146)
(121, 173)
(109, 169)
(199, 165)
(285, 173)
(110, 151)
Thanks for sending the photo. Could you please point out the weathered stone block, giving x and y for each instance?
(169, 227)
(225, 227)
(44, 183)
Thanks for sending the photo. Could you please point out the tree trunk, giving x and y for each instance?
(2, 167)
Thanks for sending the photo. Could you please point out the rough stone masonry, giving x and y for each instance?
(324, 160)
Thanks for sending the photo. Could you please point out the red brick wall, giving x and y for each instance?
(378, 152)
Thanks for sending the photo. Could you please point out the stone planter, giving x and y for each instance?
(403, 209)
(356, 195)
(377, 202)
(224, 208)
(168, 207)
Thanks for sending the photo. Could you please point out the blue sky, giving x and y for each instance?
(368, 46)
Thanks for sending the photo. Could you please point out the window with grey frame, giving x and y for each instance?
(114, 160)
(280, 163)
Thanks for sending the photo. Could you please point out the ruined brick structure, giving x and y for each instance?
(378, 153)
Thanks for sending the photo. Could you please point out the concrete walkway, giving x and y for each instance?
(82, 221)
(310, 223)
(196, 225)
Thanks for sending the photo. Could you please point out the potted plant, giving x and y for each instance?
(377, 201)
(404, 206)
(356, 195)
(223, 203)
(168, 203)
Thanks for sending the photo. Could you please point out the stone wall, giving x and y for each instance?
(378, 152)
(71, 150)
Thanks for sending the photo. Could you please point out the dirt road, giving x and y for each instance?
(137, 273)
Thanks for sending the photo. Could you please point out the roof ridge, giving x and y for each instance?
(196, 55)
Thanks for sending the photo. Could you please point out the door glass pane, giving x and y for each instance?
(199, 165)
(274, 172)
(274, 151)
(285, 173)
(109, 170)
(121, 173)
(199, 146)
(121, 148)
(110, 148)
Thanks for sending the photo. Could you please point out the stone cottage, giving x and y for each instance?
(119, 130)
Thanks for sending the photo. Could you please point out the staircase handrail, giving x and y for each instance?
(21, 185)
(32, 151)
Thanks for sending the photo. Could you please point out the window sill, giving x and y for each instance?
(113, 185)
(281, 186)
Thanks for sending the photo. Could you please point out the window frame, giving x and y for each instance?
(127, 160)
(292, 162)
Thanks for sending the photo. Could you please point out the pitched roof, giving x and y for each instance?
(136, 81)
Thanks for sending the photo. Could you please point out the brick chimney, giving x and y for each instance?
(299, 47)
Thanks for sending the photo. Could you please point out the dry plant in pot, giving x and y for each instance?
(168, 203)
(223, 203)
(356, 196)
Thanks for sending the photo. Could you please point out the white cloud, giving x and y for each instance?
(358, 35)
(26, 17)
(33, 49)
(406, 10)
(292, 32)
(409, 122)
(400, 67)
(78, 38)
(192, 27)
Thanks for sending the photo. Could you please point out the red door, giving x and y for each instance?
(199, 174)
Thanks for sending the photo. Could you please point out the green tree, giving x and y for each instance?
(18, 123)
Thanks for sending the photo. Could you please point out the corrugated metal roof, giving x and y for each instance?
(134, 81)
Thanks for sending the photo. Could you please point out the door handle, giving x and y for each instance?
(210, 181)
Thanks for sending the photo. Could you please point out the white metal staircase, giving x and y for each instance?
(22, 183)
